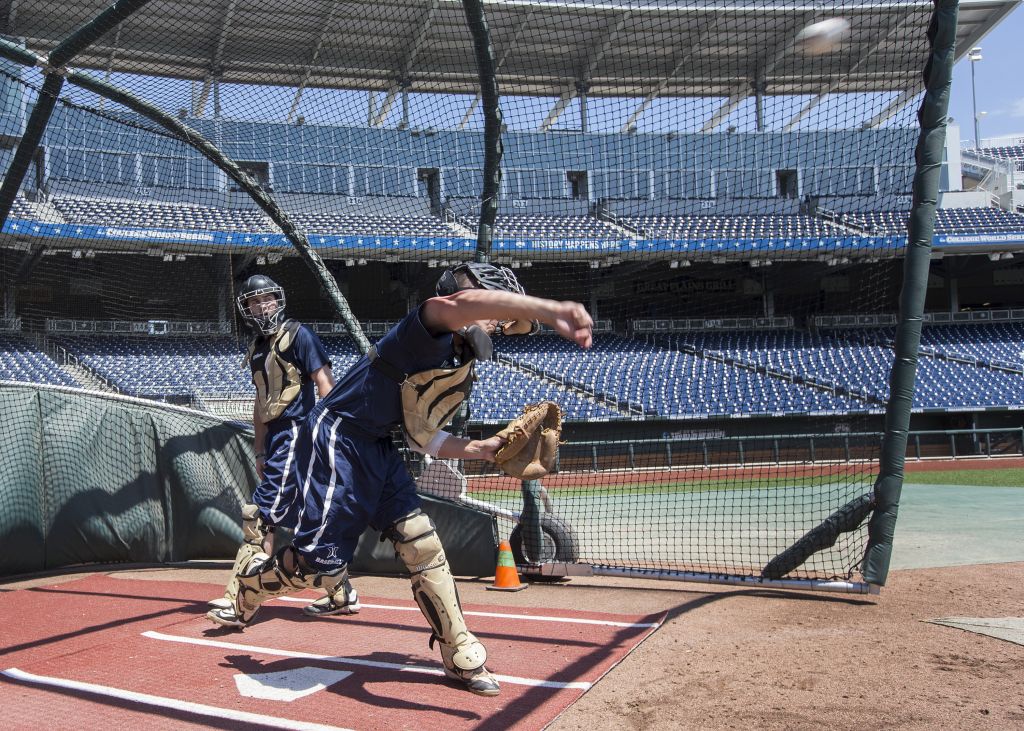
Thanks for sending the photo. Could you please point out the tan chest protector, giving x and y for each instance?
(277, 380)
(431, 398)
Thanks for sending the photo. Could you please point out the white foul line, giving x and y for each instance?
(172, 703)
(528, 617)
(339, 660)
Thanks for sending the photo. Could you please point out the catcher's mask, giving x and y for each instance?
(483, 276)
(264, 317)
(487, 276)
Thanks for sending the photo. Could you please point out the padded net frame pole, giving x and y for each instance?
(938, 76)
(52, 84)
(477, 22)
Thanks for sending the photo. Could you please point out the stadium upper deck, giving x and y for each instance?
(679, 49)
(552, 51)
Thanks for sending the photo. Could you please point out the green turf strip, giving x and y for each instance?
(1009, 477)
(648, 488)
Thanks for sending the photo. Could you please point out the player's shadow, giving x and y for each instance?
(357, 686)
(413, 624)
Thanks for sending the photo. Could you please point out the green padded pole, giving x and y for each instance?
(52, 84)
(29, 142)
(938, 75)
(92, 31)
(477, 22)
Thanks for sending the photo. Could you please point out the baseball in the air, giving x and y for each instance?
(823, 37)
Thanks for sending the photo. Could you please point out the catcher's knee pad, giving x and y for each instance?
(265, 577)
(254, 530)
(284, 573)
(420, 549)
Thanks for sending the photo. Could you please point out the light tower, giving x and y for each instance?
(974, 55)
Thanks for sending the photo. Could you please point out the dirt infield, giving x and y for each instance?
(744, 658)
(767, 660)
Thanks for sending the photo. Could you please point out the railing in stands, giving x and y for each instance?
(726, 323)
(135, 327)
(934, 318)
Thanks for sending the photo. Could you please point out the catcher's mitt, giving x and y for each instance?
(532, 442)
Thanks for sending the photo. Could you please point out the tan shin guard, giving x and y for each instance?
(434, 590)
(253, 535)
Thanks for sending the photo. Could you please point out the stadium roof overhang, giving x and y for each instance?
(556, 49)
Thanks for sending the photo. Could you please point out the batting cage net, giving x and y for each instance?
(725, 186)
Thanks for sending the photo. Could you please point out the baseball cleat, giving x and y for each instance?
(325, 606)
(226, 618)
(479, 681)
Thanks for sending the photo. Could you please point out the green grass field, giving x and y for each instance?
(1007, 477)
(582, 489)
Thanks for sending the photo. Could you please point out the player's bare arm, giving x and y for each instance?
(259, 439)
(323, 378)
(456, 311)
(459, 448)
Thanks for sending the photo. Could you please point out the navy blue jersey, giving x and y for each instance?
(308, 355)
(368, 398)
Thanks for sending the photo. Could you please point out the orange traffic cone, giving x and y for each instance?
(506, 578)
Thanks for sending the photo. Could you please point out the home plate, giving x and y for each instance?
(287, 685)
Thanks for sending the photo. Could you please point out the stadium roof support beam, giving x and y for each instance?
(643, 106)
(556, 111)
(215, 62)
(497, 67)
(110, 60)
(403, 82)
(307, 72)
(582, 84)
(385, 107)
(728, 107)
(904, 98)
(776, 54)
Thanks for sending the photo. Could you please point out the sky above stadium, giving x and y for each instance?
(997, 80)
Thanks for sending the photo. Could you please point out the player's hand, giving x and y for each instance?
(260, 462)
(484, 449)
(572, 321)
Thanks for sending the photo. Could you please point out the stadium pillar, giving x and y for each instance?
(932, 116)
(759, 88)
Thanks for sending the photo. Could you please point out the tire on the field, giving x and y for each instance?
(558, 538)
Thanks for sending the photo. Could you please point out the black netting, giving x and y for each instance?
(728, 199)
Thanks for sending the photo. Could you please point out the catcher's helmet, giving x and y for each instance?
(483, 276)
(266, 320)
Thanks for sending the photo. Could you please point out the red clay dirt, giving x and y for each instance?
(745, 658)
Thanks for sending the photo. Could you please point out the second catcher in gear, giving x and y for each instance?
(287, 361)
(416, 376)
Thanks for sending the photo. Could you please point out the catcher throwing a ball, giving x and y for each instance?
(415, 377)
